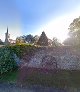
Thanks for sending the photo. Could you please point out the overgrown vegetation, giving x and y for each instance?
(57, 79)
(7, 62)
(21, 49)
(74, 33)
(42, 40)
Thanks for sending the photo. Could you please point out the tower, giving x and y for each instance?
(7, 36)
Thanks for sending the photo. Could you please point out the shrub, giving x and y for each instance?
(7, 62)
(21, 49)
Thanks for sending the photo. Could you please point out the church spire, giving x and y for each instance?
(7, 36)
(7, 30)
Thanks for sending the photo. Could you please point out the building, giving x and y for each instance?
(7, 39)
(7, 36)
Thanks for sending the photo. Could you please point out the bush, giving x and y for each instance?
(21, 49)
(7, 59)
(7, 62)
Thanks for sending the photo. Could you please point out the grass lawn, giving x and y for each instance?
(10, 77)
(59, 79)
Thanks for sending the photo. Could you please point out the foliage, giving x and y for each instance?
(70, 41)
(75, 31)
(49, 42)
(43, 40)
(75, 26)
(30, 39)
(36, 38)
(55, 42)
(20, 40)
(20, 49)
(10, 77)
(1, 43)
(7, 62)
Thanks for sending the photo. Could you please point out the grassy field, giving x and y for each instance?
(10, 77)
(59, 79)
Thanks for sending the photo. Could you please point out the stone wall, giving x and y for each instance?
(56, 58)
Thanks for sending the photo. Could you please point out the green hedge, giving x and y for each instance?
(7, 62)
(22, 49)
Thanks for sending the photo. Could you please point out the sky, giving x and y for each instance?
(25, 17)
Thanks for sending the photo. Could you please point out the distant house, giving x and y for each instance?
(7, 39)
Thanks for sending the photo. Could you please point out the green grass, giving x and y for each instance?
(10, 77)
(59, 79)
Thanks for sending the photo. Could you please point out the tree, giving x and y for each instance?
(49, 42)
(29, 38)
(74, 30)
(70, 41)
(36, 38)
(1, 42)
(55, 42)
(43, 40)
(20, 40)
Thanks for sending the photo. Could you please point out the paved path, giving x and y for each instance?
(14, 88)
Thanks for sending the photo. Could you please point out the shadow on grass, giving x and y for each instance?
(59, 79)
